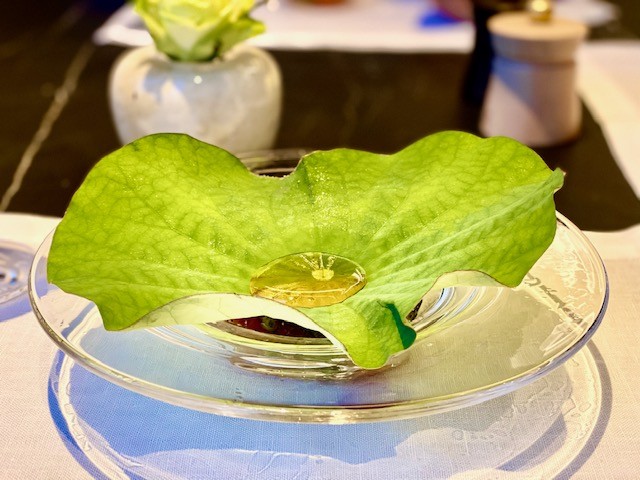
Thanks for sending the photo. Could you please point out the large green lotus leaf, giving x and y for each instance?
(169, 217)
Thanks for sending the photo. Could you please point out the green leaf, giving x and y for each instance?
(197, 30)
(168, 217)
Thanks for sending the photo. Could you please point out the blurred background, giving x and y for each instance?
(368, 74)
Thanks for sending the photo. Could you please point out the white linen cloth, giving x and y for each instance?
(609, 83)
(583, 419)
(355, 25)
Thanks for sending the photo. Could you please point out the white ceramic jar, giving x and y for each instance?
(232, 102)
(531, 94)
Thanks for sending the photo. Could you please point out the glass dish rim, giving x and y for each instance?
(315, 413)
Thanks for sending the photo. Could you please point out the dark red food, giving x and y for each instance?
(277, 327)
(266, 324)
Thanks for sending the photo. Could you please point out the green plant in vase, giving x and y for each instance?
(198, 30)
(199, 77)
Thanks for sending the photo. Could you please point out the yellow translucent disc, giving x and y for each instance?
(310, 279)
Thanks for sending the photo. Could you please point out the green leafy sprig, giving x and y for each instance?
(198, 30)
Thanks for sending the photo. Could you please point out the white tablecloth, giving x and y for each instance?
(355, 25)
(609, 83)
(59, 421)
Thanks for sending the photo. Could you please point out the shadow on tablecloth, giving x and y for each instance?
(14, 308)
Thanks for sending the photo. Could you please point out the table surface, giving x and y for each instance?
(55, 125)
(55, 120)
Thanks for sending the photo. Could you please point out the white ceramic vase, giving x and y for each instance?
(233, 102)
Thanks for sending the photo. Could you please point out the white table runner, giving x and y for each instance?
(609, 83)
(355, 25)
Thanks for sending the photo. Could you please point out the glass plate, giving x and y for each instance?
(542, 430)
(499, 342)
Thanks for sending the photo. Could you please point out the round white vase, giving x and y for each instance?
(233, 102)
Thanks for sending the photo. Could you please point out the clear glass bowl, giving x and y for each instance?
(15, 260)
(473, 344)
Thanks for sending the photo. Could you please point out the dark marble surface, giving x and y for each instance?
(53, 110)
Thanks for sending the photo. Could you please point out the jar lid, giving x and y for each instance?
(518, 36)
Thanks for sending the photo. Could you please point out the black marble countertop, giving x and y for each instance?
(55, 123)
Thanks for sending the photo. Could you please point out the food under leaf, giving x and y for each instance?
(171, 230)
